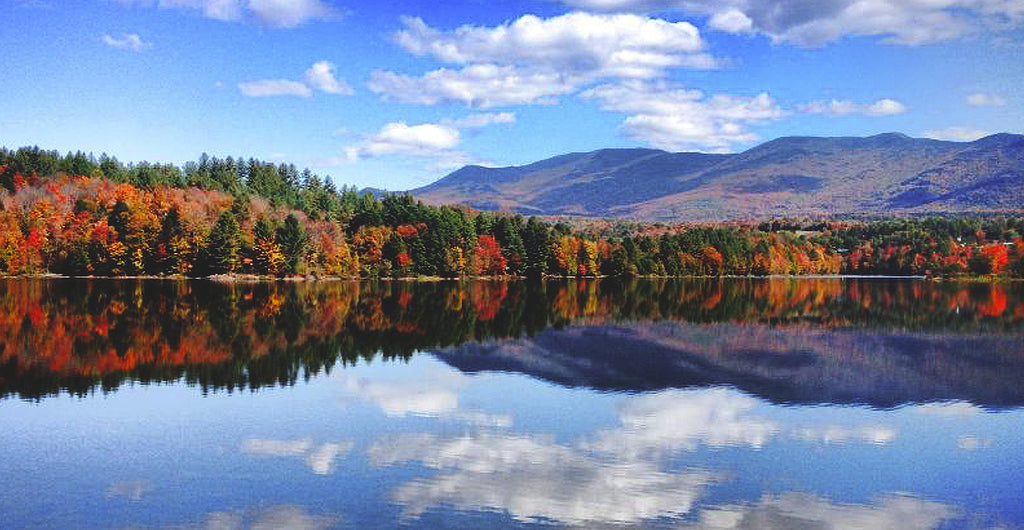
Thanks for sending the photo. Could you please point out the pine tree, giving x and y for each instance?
(222, 247)
(293, 242)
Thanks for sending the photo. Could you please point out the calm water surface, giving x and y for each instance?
(815, 403)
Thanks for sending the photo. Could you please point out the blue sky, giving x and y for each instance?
(396, 94)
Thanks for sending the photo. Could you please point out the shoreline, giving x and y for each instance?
(253, 278)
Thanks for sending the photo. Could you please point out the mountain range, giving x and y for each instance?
(786, 177)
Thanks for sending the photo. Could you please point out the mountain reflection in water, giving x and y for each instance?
(860, 341)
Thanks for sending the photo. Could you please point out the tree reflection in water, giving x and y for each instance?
(790, 340)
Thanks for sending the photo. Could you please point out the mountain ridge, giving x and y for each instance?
(787, 176)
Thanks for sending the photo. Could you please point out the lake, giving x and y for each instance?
(700, 403)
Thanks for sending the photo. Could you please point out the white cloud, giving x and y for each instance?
(912, 22)
(397, 138)
(731, 21)
(482, 119)
(128, 41)
(979, 99)
(289, 13)
(885, 107)
(275, 87)
(320, 459)
(532, 60)
(277, 13)
(477, 86)
(621, 45)
(321, 77)
(835, 107)
(534, 478)
(673, 118)
(956, 134)
(437, 141)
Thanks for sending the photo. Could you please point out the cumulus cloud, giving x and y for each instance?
(398, 138)
(980, 99)
(816, 23)
(836, 107)
(276, 13)
(532, 60)
(477, 86)
(956, 134)
(673, 118)
(274, 87)
(731, 21)
(620, 45)
(320, 76)
(436, 141)
(128, 41)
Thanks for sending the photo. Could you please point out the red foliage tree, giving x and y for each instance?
(488, 256)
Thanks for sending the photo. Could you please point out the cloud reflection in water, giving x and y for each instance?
(534, 478)
(616, 475)
(320, 459)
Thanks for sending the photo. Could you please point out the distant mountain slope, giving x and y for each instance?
(784, 177)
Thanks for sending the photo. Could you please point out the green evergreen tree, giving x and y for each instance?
(222, 247)
(294, 242)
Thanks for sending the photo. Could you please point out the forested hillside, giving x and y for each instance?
(75, 214)
(786, 177)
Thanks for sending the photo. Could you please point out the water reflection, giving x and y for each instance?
(434, 395)
(641, 469)
(877, 342)
(801, 510)
(803, 365)
(681, 420)
(534, 478)
(319, 458)
(290, 517)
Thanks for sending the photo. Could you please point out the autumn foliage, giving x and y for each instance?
(248, 217)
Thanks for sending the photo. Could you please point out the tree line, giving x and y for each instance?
(76, 214)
